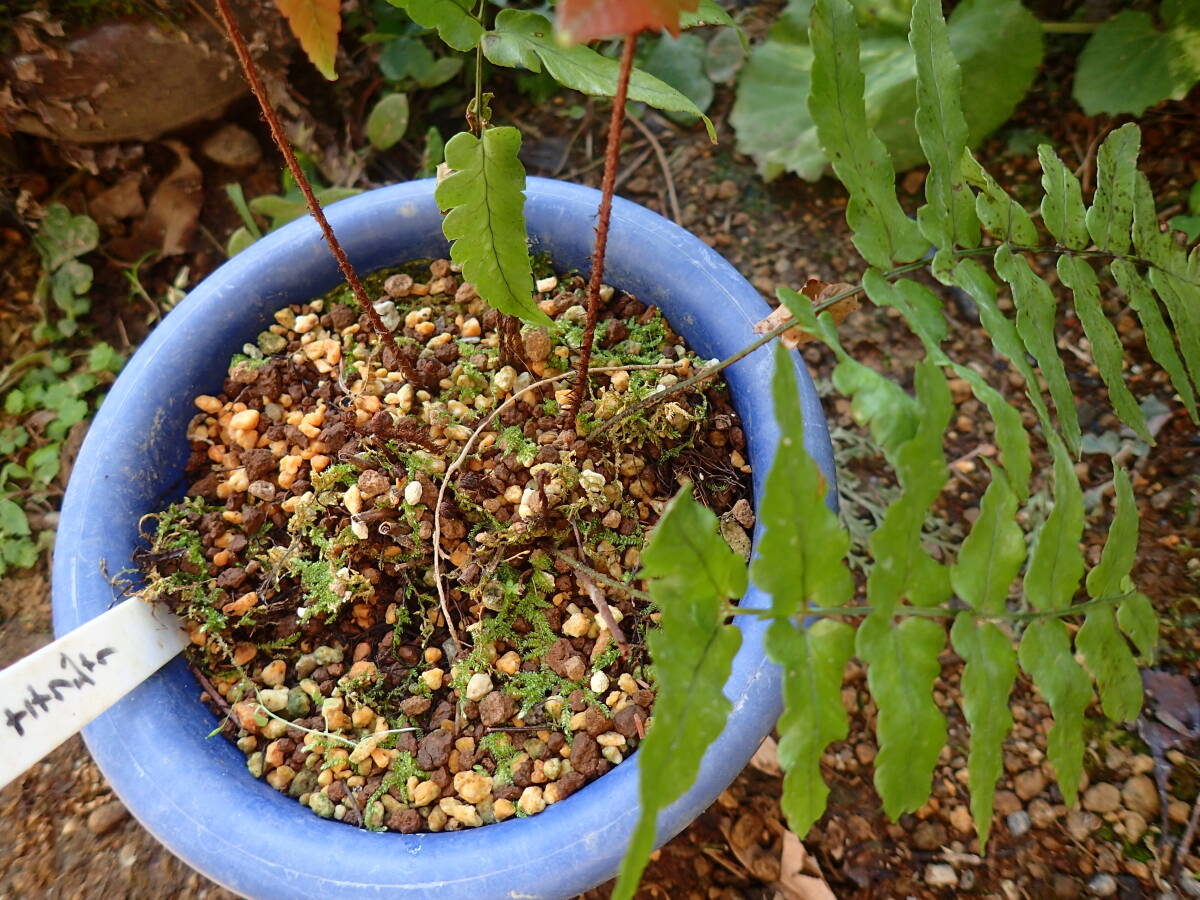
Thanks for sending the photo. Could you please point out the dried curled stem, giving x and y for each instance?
(250, 70)
(607, 187)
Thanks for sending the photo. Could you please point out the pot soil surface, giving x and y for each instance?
(302, 558)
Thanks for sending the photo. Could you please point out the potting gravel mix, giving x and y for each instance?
(302, 560)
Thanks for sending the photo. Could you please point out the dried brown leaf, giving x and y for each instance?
(818, 292)
(799, 875)
(766, 757)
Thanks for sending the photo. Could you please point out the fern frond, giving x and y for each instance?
(1062, 206)
(882, 232)
(999, 213)
(1110, 216)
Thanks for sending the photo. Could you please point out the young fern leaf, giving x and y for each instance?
(1035, 324)
(1158, 335)
(1111, 214)
(801, 564)
(972, 278)
(999, 213)
(524, 39)
(923, 312)
(1104, 651)
(1107, 351)
(1062, 207)
(882, 232)
(902, 658)
(875, 401)
(452, 18)
(693, 574)
(486, 222)
(990, 559)
(948, 219)
(1055, 567)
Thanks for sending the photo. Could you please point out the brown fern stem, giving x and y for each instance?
(607, 186)
(250, 70)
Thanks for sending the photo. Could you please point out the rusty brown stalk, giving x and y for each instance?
(607, 187)
(250, 70)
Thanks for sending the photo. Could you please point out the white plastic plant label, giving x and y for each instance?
(52, 693)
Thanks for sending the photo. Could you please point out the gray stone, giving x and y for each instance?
(1018, 822)
(940, 875)
(1103, 885)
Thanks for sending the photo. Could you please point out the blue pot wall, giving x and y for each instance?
(194, 794)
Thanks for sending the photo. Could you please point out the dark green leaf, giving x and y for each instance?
(679, 62)
(486, 222)
(523, 39)
(1107, 351)
(882, 232)
(1181, 297)
(453, 20)
(693, 575)
(1002, 216)
(1129, 65)
(405, 57)
(103, 358)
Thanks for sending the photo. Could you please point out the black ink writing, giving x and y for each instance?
(78, 671)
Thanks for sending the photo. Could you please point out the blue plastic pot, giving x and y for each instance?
(194, 794)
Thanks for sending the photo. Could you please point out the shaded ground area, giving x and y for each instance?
(69, 837)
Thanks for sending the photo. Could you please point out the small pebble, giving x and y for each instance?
(1103, 885)
(104, 819)
(1102, 798)
(940, 875)
(599, 682)
(479, 686)
(1018, 822)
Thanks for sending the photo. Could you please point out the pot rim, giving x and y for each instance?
(151, 744)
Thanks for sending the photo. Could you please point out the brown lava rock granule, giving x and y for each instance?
(301, 558)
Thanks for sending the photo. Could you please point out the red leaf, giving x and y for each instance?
(580, 21)
(316, 24)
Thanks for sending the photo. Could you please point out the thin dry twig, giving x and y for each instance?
(664, 164)
(599, 601)
(250, 70)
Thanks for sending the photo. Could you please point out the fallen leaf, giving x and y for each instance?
(580, 21)
(743, 839)
(121, 201)
(799, 875)
(818, 292)
(172, 214)
(1173, 701)
(766, 757)
(316, 24)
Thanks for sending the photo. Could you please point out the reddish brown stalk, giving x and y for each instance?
(607, 186)
(250, 70)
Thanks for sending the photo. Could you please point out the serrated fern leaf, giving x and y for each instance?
(1105, 652)
(1107, 351)
(992, 554)
(1011, 437)
(876, 401)
(920, 307)
(801, 564)
(987, 680)
(453, 20)
(1182, 300)
(1035, 324)
(1111, 214)
(902, 660)
(999, 213)
(1149, 242)
(1158, 336)
(990, 559)
(1139, 621)
(1062, 206)
(1046, 654)
(1056, 562)
(813, 661)
(693, 574)
(882, 232)
(486, 219)
(1111, 663)
(972, 278)
(948, 218)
